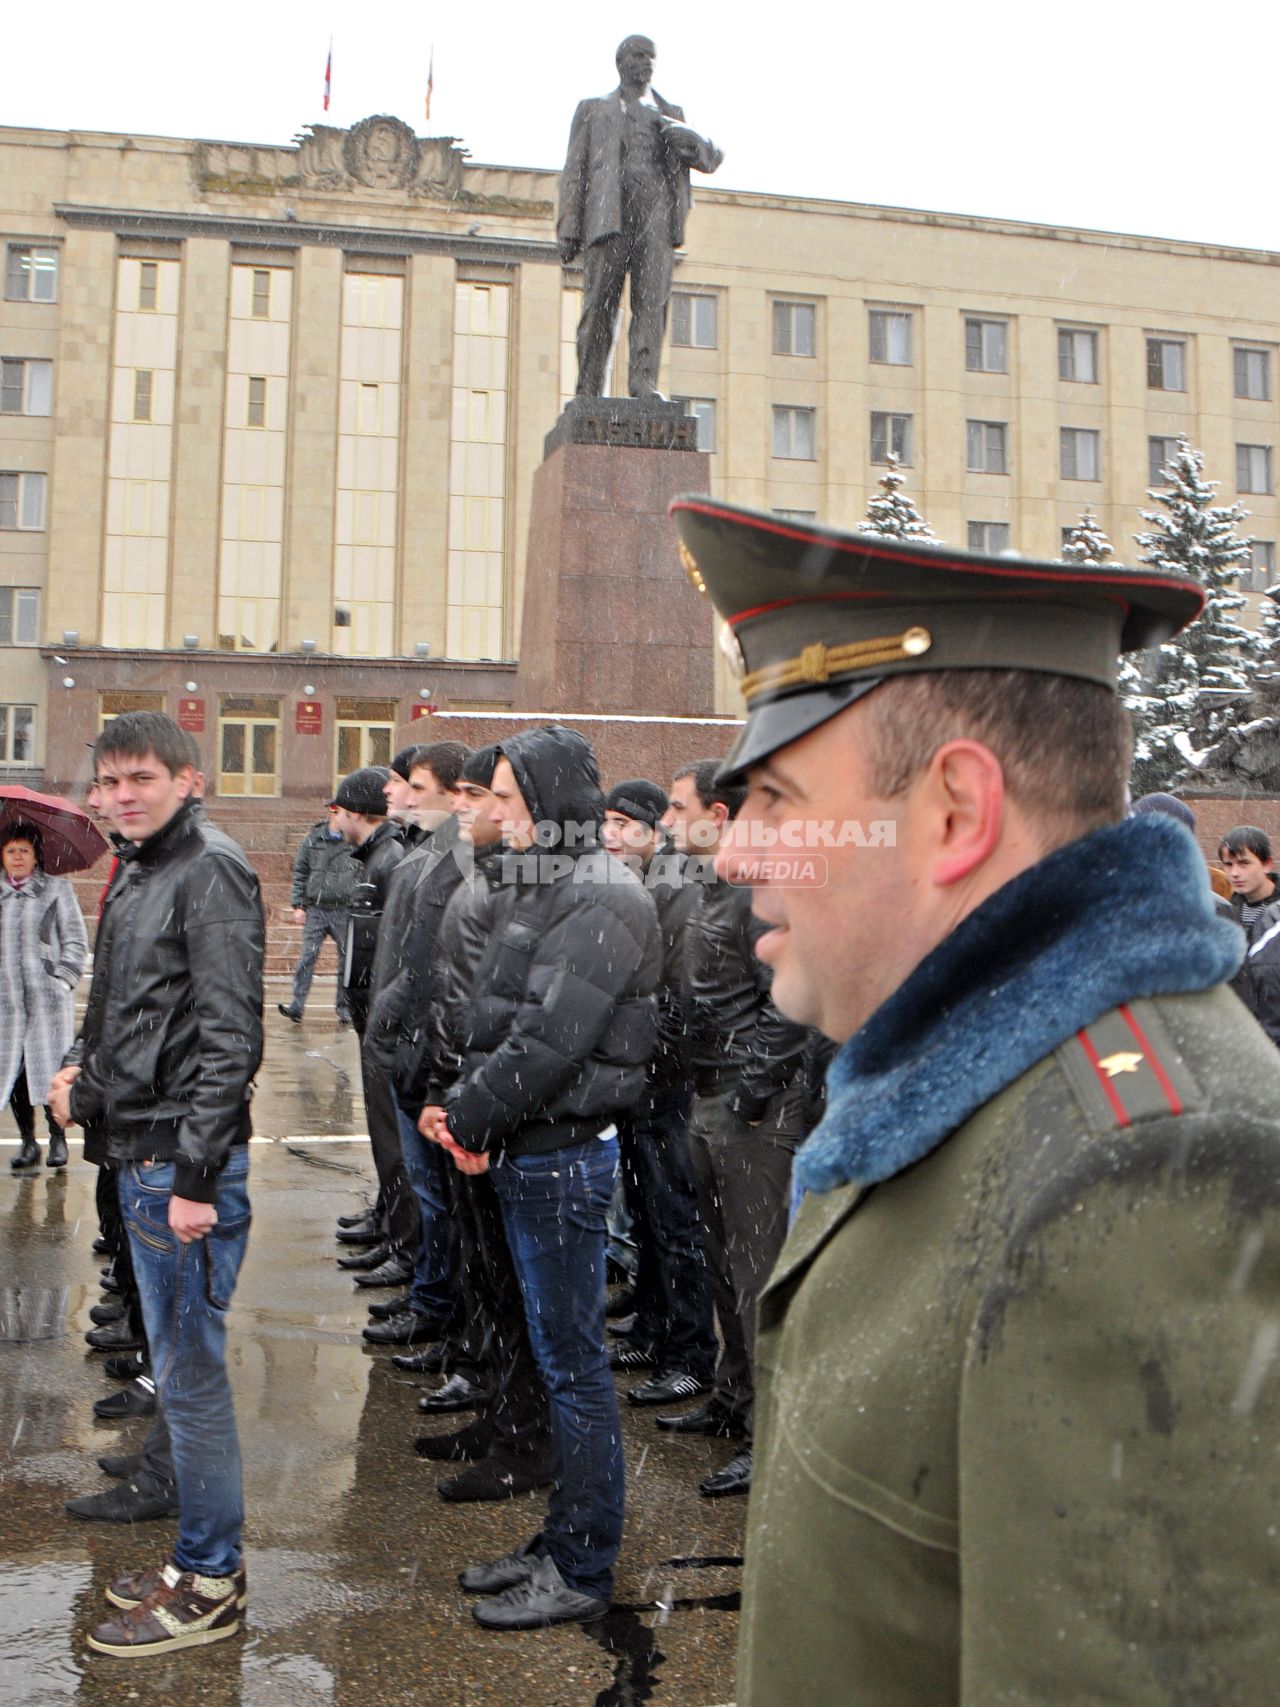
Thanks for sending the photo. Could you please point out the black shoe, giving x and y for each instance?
(714, 1418)
(138, 1399)
(429, 1361)
(460, 1446)
(58, 1151)
(512, 1568)
(735, 1478)
(382, 1309)
(354, 1220)
(121, 1465)
(288, 1012)
(366, 1232)
(394, 1272)
(668, 1389)
(543, 1598)
(372, 1258)
(127, 1365)
(459, 1393)
(28, 1155)
(408, 1327)
(125, 1503)
(110, 1282)
(116, 1336)
(490, 1480)
(620, 1327)
(100, 1247)
(631, 1357)
(101, 1314)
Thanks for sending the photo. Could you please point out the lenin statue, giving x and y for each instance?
(624, 199)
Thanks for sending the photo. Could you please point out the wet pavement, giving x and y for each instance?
(352, 1556)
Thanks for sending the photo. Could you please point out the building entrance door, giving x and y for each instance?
(248, 751)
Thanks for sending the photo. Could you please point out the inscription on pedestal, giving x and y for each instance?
(638, 423)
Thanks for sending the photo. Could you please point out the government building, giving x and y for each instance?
(270, 416)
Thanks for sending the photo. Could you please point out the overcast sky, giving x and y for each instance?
(1105, 113)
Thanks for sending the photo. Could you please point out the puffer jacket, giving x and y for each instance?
(740, 1041)
(172, 1032)
(563, 1015)
(324, 873)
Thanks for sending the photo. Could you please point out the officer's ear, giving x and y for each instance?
(962, 810)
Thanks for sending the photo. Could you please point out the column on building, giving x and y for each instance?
(478, 470)
(140, 453)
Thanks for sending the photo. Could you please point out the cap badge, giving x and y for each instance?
(691, 568)
(819, 663)
(732, 649)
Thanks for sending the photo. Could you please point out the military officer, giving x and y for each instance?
(1018, 1389)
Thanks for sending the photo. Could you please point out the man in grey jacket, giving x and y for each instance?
(324, 874)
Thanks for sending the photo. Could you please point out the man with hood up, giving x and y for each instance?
(564, 1019)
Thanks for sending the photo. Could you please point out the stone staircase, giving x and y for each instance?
(269, 832)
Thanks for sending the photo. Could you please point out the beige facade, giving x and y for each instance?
(271, 415)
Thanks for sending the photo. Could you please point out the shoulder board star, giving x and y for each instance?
(1123, 1061)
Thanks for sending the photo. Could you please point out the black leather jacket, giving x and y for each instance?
(376, 859)
(172, 1032)
(740, 1041)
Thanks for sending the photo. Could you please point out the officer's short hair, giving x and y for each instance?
(1246, 838)
(1065, 745)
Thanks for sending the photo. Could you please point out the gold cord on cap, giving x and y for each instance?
(817, 664)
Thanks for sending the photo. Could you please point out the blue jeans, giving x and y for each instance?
(430, 1291)
(553, 1210)
(186, 1292)
(321, 922)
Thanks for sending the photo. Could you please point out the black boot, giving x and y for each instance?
(29, 1155)
(58, 1150)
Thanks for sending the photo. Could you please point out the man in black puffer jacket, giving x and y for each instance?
(563, 1022)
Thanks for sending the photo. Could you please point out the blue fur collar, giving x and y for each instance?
(1123, 913)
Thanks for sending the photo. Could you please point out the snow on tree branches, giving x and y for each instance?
(891, 514)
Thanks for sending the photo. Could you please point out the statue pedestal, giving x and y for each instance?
(611, 621)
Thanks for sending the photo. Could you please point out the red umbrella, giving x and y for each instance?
(72, 841)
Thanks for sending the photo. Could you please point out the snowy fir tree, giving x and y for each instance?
(1197, 674)
(1086, 543)
(891, 514)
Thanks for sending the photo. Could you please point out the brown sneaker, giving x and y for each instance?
(128, 1592)
(183, 1611)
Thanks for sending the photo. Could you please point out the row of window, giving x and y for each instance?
(694, 318)
(992, 538)
(31, 275)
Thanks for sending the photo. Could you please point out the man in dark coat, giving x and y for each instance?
(172, 1038)
(624, 199)
(563, 1022)
(1017, 1402)
(324, 875)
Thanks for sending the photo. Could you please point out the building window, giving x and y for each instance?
(990, 538)
(1080, 453)
(1166, 364)
(890, 435)
(143, 384)
(22, 500)
(368, 410)
(797, 515)
(17, 734)
(261, 293)
(794, 436)
(693, 320)
(1160, 452)
(26, 388)
(703, 410)
(986, 447)
(1253, 373)
(1077, 355)
(794, 329)
(256, 414)
(30, 275)
(19, 616)
(1253, 468)
(1261, 572)
(890, 338)
(148, 278)
(986, 346)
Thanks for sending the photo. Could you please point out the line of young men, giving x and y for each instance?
(556, 978)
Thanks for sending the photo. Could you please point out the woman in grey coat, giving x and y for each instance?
(43, 947)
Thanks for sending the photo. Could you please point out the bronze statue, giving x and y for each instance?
(624, 199)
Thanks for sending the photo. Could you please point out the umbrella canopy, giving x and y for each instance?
(72, 841)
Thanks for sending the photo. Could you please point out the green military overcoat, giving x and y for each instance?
(1018, 1407)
